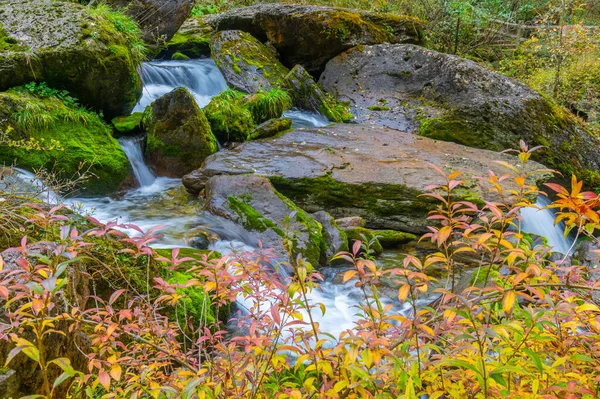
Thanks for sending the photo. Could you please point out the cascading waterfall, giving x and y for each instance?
(201, 77)
(132, 146)
(541, 222)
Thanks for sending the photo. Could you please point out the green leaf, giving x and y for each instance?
(536, 359)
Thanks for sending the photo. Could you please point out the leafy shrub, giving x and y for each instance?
(527, 329)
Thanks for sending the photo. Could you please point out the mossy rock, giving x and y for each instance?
(83, 139)
(269, 217)
(306, 94)
(312, 35)
(179, 135)
(179, 56)
(192, 40)
(247, 64)
(445, 97)
(228, 117)
(366, 236)
(128, 125)
(271, 128)
(267, 105)
(335, 238)
(393, 238)
(89, 51)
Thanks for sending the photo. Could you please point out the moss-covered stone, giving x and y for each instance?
(267, 105)
(229, 119)
(192, 39)
(393, 238)
(179, 135)
(271, 128)
(277, 222)
(246, 63)
(366, 236)
(91, 51)
(129, 124)
(179, 56)
(312, 35)
(83, 140)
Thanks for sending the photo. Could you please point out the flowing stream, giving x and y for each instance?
(155, 203)
(541, 223)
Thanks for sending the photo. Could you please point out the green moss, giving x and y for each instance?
(378, 108)
(195, 303)
(9, 43)
(366, 236)
(267, 105)
(335, 110)
(248, 51)
(128, 124)
(83, 137)
(228, 118)
(192, 39)
(179, 56)
(252, 219)
(461, 131)
(393, 238)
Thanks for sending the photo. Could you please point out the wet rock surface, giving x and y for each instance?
(253, 203)
(449, 98)
(325, 31)
(357, 170)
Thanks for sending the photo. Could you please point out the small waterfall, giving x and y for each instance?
(541, 222)
(301, 119)
(201, 77)
(132, 146)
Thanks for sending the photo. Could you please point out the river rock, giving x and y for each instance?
(312, 35)
(334, 236)
(158, 19)
(191, 40)
(366, 237)
(306, 94)
(246, 63)
(253, 203)
(178, 134)
(350, 221)
(449, 98)
(69, 47)
(271, 128)
(358, 170)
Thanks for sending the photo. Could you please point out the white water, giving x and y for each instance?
(132, 146)
(541, 222)
(303, 119)
(201, 77)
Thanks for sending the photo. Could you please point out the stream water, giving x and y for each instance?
(155, 202)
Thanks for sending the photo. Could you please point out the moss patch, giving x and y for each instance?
(228, 118)
(83, 137)
(393, 238)
(129, 124)
(9, 43)
(179, 56)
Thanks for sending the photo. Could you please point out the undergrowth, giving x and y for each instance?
(528, 328)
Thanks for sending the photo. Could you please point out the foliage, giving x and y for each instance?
(528, 329)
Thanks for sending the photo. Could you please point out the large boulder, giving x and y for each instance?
(246, 63)
(312, 35)
(179, 137)
(47, 132)
(81, 49)
(358, 170)
(253, 203)
(191, 40)
(334, 236)
(449, 98)
(158, 19)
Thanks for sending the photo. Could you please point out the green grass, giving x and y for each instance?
(268, 105)
(119, 25)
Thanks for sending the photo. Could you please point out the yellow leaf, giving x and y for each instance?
(509, 301)
(403, 292)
